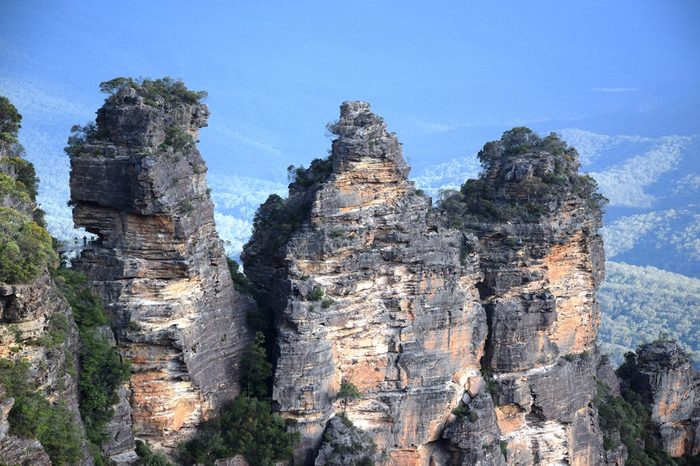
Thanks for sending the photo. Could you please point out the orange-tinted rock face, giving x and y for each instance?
(664, 377)
(159, 264)
(370, 292)
(542, 261)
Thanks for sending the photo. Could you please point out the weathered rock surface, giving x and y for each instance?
(344, 444)
(537, 222)
(367, 287)
(669, 385)
(138, 182)
(474, 436)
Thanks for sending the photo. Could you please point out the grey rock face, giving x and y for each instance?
(473, 436)
(139, 184)
(669, 385)
(344, 444)
(369, 288)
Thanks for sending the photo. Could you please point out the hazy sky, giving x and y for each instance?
(447, 76)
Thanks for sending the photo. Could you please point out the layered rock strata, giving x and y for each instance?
(542, 258)
(138, 183)
(367, 287)
(669, 386)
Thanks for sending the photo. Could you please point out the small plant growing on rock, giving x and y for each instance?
(25, 248)
(348, 391)
(257, 370)
(316, 294)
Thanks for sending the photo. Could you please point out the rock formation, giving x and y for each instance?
(367, 287)
(537, 221)
(138, 183)
(486, 306)
(663, 375)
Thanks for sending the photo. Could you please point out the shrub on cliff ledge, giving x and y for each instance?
(33, 416)
(171, 90)
(25, 248)
(245, 426)
(524, 178)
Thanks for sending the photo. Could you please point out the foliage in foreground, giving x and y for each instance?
(639, 303)
(25, 247)
(33, 416)
(101, 368)
(245, 426)
(148, 457)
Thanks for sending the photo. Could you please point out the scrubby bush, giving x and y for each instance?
(25, 247)
(348, 391)
(33, 416)
(13, 193)
(147, 457)
(245, 426)
(257, 370)
(101, 369)
(171, 90)
(9, 122)
(79, 135)
(625, 420)
(23, 172)
(528, 196)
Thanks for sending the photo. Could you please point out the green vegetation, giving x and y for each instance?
(57, 333)
(245, 426)
(625, 420)
(491, 385)
(23, 173)
(257, 370)
(79, 135)
(33, 416)
(348, 391)
(493, 198)
(178, 139)
(101, 368)
(277, 219)
(9, 122)
(465, 411)
(147, 457)
(170, 90)
(240, 281)
(301, 178)
(316, 293)
(25, 247)
(13, 192)
(504, 448)
(639, 303)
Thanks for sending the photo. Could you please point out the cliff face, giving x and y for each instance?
(542, 260)
(670, 387)
(368, 288)
(138, 182)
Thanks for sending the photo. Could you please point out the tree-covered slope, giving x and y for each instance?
(640, 303)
